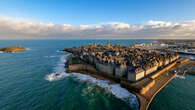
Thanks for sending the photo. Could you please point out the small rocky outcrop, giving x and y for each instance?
(12, 49)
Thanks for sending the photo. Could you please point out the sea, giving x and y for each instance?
(28, 82)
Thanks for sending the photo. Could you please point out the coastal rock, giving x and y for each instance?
(57, 75)
(12, 49)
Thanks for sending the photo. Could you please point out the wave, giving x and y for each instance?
(60, 51)
(180, 76)
(115, 89)
(1, 52)
(28, 49)
(59, 70)
(56, 76)
(50, 56)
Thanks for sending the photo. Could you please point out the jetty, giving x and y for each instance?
(142, 72)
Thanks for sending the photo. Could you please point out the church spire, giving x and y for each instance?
(108, 44)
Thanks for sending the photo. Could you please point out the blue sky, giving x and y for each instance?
(97, 19)
(77, 12)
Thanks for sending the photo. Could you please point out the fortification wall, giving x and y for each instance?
(184, 61)
(80, 67)
(75, 67)
(105, 68)
(120, 71)
(90, 68)
(91, 59)
(147, 87)
(158, 73)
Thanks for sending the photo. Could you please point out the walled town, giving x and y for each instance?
(142, 71)
(126, 62)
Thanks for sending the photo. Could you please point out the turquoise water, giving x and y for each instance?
(24, 83)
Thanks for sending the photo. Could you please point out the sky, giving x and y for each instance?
(91, 19)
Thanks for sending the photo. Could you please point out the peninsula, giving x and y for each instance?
(12, 49)
(142, 71)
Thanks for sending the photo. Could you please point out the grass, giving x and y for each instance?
(75, 60)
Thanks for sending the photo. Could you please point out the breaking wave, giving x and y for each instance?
(1, 52)
(60, 51)
(115, 89)
(56, 76)
(59, 70)
(28, 49)
(180, 76)
(50, 56)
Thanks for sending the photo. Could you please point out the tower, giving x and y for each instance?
(108, 44)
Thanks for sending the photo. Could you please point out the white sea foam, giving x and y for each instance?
(28, 49)
(115, 89)
(180, 76)
(50, 56)
(56, 76)
(59, 70)
(59, 51)
(1, 52)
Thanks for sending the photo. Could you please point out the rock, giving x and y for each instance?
(12, 49)
(57, 75)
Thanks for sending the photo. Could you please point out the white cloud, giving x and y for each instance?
(160, 24)
(27, 29)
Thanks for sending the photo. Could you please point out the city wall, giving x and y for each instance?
(81, 67)
(158, 73)
(105, 68)
(121, 71)
(147, 87)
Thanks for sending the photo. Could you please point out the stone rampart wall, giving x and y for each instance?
(91, 59)
(105, 68)
(120, 71)
(111, 70)
(80, 67)
(163, 70)
(147, 87)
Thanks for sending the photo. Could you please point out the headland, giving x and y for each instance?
(142, 71)
(12, 49)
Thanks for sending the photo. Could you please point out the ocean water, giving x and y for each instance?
(28, 82)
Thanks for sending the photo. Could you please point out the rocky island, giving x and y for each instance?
(12, 49)
(142, 71)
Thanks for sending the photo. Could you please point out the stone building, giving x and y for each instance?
(124, 61)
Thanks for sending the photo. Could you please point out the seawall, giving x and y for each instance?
(81, 67)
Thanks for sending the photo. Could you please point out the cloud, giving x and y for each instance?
(29, 29)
